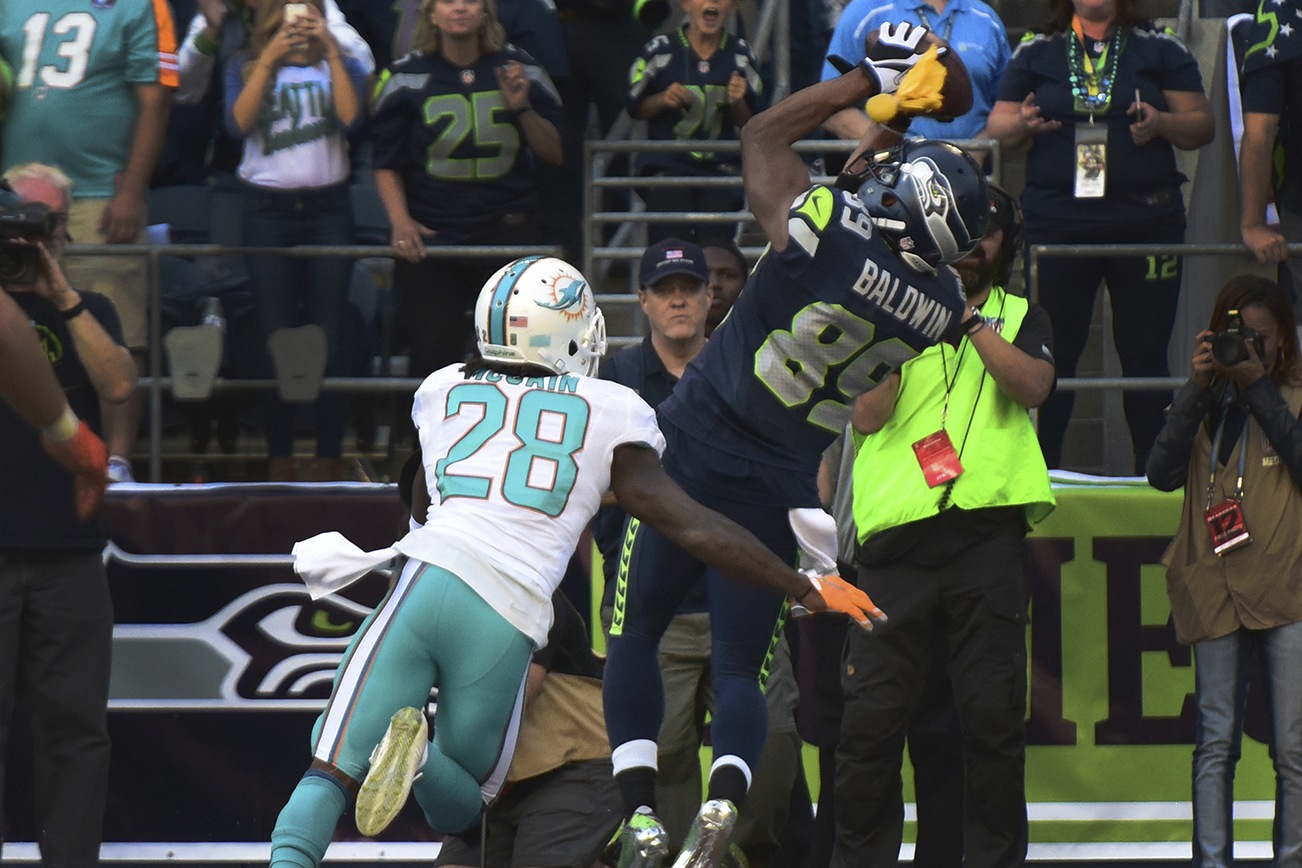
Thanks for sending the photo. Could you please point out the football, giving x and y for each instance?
(956, 95)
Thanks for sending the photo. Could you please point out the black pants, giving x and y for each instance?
(976, 601)
(1144, 291)
(56, 632)
(436, 298)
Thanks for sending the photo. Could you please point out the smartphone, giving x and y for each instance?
(1136, 114)
(295, 11)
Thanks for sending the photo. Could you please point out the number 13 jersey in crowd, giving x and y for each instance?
(516, 467)
(817, 325)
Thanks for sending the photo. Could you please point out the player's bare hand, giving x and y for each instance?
(514, 84)
(835, 594)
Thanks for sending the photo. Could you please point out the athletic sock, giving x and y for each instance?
(637, 786)
(307, 822)
(728, 781)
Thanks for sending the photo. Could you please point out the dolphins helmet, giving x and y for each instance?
(540, 310)
(927, 198)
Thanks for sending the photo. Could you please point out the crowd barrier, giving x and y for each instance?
(222, 662)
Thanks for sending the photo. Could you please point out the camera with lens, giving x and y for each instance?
(1230, 344)
(34, 221)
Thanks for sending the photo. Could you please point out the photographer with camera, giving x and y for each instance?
(56, 618)
(1234, 569)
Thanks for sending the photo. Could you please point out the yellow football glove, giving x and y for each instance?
(919, 91)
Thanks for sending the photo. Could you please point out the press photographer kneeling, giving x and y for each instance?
(1234, 569)
(53, 585)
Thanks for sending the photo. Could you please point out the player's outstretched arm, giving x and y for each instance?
(647, 493)
(773, 173)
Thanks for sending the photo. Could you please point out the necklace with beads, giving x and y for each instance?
(1091, 81)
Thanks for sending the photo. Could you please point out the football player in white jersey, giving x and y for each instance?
(518, 449)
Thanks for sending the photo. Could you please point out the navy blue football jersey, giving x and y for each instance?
(816, 325)
(460, 151)
(667, 59)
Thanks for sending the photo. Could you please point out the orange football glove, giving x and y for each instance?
(86, 458)
(835, 594)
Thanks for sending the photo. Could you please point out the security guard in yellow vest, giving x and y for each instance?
(948, 478)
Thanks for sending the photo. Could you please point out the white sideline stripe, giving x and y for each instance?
(1124, 811)
(27, 853)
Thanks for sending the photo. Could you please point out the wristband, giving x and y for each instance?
(521, 112)
(974, 323)
(64, 428)
(75, 311)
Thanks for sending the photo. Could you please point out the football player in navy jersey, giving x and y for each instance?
(854, 283)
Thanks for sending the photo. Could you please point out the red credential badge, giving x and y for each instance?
(1227, 526)
(937, 458)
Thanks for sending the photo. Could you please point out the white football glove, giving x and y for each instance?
(898, 48)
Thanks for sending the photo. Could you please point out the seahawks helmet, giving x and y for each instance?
(540, 310)
(927, 198)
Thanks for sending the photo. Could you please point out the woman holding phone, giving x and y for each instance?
(1105, 98)
(293, 97)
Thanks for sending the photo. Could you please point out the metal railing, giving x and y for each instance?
(1038, 251)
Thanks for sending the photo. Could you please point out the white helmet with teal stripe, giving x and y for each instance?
(540, 310)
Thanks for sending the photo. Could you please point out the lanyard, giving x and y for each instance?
(925, 20)
(1216, 459)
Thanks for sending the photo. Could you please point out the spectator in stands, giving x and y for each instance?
(971, 27)
(1233, 440)
(463, 174)
(1101, 170)
(947, 547)
(676, 301)
(92, 97)
(728, 270)
(216, 32)
(1271, 87)
(293, 96)
(699, 84)
(601, 38)
(56, 618)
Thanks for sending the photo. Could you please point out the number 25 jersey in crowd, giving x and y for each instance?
(817, 324)
(516, 467)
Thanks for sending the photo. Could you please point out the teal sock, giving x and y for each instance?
(307, 822)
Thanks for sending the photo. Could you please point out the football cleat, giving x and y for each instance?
(395, 763)
(708, 838)
(642, 842)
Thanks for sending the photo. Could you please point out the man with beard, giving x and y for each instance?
(950, 439)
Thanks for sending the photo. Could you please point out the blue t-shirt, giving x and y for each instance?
(971, 27)
(668, 59)
(816, 325)
(1143, 184)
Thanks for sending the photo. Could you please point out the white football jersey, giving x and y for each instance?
(516, 467)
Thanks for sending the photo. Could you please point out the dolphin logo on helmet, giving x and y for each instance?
(540, 310)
